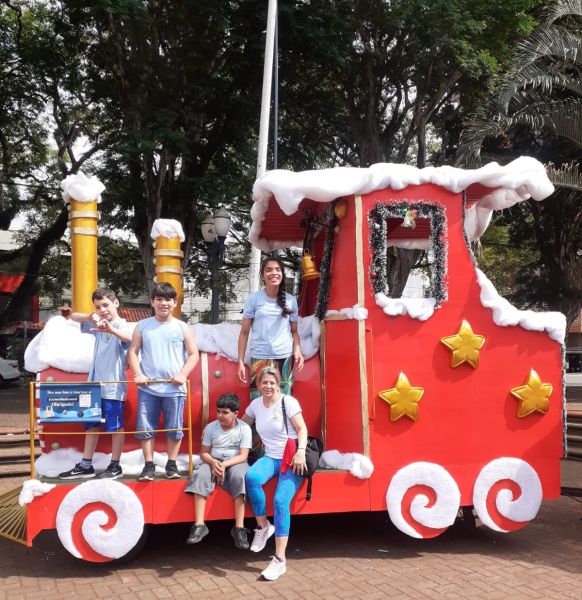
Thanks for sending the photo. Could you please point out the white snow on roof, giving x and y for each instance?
(520, 180)
(505, 314)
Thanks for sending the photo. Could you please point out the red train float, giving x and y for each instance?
(455, 399)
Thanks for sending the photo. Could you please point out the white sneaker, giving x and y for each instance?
(275, 569)
(261, 536)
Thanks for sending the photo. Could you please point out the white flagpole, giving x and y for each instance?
(264, 128)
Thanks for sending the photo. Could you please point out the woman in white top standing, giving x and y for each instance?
(271, 314)
(266, 412)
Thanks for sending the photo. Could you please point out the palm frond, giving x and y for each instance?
(564, 8)
(568, 175)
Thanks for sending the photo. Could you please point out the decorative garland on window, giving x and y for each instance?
(378, 220)
(324, 288)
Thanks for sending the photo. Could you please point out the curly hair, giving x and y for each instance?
(281, 294)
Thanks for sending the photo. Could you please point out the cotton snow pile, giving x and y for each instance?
(520, 180)
(416, 308)
(62, 345)
(505, 314)
(31, 489)
(132, 463)
(358, 465)
(81, 188)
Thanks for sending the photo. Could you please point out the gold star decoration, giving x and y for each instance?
(464, 346)
(403, 399)
(533, 396)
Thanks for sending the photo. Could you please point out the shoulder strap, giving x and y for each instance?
(284, 415)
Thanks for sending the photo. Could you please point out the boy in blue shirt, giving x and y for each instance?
(108, 364)
(168, 352)
(225, 448)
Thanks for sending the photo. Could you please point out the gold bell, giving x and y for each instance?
(308, 266)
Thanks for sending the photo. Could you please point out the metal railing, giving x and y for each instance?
(37, 431)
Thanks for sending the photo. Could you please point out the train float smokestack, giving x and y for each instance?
(168, 235)
(81, 195)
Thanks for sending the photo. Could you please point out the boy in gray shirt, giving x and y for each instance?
(225, 447)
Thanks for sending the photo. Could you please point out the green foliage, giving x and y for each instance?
(538, 111)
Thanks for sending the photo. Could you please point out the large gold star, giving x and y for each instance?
(533, 396)
(403, 399)
(464, 346)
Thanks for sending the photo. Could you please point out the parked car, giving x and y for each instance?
(8, 370)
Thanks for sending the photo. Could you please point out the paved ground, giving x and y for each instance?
(333, 556)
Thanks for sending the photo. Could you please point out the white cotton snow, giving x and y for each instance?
(505, 314)
(358, 465)
(62, 345)
(32, 489)
(63, 459)
(416, 308)
(81, 188)
(521, 179)
(168, 228)
(357, 312)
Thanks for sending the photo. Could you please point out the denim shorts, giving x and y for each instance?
(112, 411)
(149, 408)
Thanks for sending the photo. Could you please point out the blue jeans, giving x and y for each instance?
(149, 407)
(262, 471)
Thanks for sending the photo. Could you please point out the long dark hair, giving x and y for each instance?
(281, 298)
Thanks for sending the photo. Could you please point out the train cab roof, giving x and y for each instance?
(283, 198)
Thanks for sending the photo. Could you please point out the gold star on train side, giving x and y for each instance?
(464, 346)
(533, 396)
(403, 399)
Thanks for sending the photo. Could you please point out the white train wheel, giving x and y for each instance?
(100, 521)
(507, 494)
(423, 500)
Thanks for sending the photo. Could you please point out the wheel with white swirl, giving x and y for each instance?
(100, 521)
(507, 494)
(423, 500)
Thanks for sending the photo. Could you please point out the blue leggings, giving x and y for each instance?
(264, 469)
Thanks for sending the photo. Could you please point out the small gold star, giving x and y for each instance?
(464, 346)
(533, 396)
(403, 399)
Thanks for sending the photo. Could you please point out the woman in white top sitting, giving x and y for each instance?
(266, 412)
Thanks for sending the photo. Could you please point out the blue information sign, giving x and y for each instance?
(70, 403)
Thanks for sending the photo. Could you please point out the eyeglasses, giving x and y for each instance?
(269, 370)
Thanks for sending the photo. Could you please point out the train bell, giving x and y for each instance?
(308, 266)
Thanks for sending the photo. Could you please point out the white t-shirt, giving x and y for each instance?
(227, 443)
(270, 426)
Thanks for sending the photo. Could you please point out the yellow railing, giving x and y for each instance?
(34, 431)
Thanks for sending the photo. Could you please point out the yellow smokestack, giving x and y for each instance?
(82, 194)
(168, 235)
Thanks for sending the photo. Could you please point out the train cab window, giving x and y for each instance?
(408, 250)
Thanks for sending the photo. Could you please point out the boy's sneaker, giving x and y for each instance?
(172, 470)
(111, 472)
(240, 536)
(148, 473)
(78, 472)
(275, 569)
(197, 533)
(261, 537)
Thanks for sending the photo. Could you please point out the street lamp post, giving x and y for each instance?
(214, 231)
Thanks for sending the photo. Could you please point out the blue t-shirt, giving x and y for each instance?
(225, 444)
(109, 360)
(271, 331)
(162, 354)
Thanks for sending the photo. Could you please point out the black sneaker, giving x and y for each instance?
(172, 470)
(112, 472)
(197, 533)
(240, 535)
(78, 472)
(148, 473)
